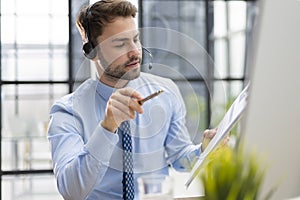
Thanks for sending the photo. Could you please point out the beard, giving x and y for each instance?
(121, 71)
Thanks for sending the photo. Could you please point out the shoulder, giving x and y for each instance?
(81, 94)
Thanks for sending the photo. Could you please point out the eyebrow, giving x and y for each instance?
(124, 39)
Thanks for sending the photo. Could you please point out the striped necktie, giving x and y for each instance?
(128, 185)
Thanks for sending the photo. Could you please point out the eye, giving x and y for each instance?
(120, 45)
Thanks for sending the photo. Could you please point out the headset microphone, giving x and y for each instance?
(150, 55)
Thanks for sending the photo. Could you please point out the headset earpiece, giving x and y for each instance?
(89, 51)
(88, 48)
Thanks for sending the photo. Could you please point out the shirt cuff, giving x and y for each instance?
(101, 144)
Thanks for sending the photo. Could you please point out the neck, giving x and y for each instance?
(112, 81)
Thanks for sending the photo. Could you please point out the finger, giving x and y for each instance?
(115, 115)
(226, 139)
(205, 133)
(130, 93)
(128, 102)
(209, 133)
(120, 116)
(212, 133)
(133, 104)
(120, 108)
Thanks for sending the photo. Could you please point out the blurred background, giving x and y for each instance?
(41, 60)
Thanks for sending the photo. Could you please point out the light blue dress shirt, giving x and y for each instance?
(87, 159)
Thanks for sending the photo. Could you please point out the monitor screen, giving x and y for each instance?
(271, 124)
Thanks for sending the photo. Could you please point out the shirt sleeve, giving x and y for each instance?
(181, 152)
(77, 165)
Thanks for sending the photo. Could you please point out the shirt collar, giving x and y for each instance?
(104, 91)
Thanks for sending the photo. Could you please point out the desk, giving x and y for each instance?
(190, 198)
(194, 192)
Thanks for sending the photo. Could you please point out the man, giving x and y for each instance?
(85, 131)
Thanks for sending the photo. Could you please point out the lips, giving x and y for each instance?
(133, 64)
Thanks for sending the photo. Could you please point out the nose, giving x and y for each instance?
(135, 50)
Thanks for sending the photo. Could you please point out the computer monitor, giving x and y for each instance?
(271, 124)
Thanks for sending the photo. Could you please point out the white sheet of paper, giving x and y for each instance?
(232, 115)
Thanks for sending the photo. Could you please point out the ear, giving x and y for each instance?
(82, 33)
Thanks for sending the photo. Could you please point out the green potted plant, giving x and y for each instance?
(232, 174)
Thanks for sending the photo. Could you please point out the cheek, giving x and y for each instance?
(118, 62)
(116, 59)
(114, 56)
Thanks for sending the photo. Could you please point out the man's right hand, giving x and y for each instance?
(121, 106)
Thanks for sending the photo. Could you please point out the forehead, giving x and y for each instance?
(121, 27)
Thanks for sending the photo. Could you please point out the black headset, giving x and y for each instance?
(89, 49)
(150, 55)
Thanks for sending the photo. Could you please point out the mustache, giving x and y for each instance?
(133, 59)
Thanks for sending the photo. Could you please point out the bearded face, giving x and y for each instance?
(119, 50)
(128, 69)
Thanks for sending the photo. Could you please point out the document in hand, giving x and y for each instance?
(232, 115)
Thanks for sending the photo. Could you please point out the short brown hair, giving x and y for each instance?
(92, 19)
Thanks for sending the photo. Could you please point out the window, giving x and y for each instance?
(201, 45)
(34, 72)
